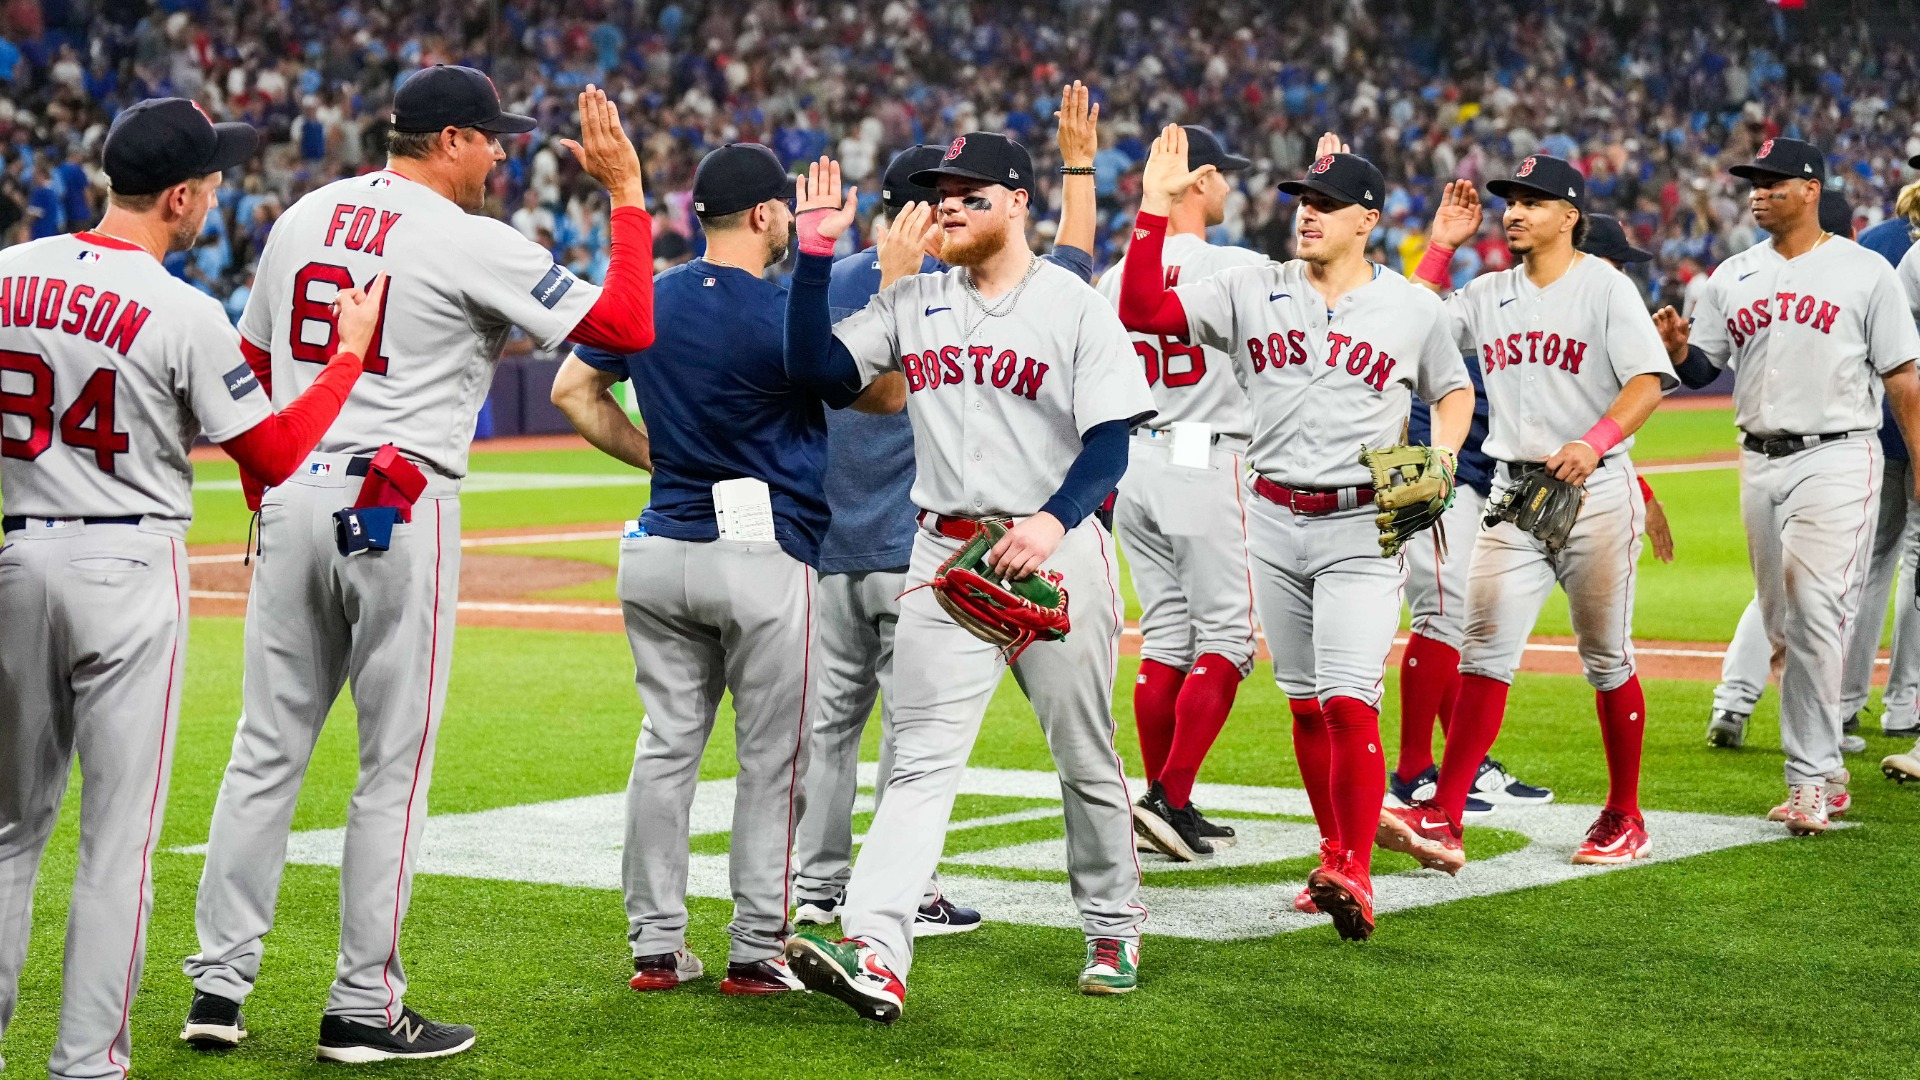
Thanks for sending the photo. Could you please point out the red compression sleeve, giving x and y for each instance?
(260, 361)
(1646, 489)
(270, 450)
(621, 320)
(1147, 306)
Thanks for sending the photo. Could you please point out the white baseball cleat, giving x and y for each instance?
(1902, 767)
(1805, 811)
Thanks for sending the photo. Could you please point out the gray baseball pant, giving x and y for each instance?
(315, 621)
(703, 619)
(93, 649)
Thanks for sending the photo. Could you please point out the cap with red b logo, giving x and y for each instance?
(985, 156)
(1783, 158)
(1544, 176)
(161, 142)
(1349, 178)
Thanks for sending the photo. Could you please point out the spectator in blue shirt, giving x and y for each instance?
(74, 191)
(44, 207)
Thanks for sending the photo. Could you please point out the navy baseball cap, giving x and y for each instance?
(897, 187)
(1836, 216)
(1784, 158)
(161, 142)
(1347, 177)
(984, 156)
(1205, 148)
(737, 176)
(1607, 238)
(1545, 175)
(448, 95)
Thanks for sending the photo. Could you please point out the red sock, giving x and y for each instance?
(1358, 773)
(1200, 712)
(1623, 724)
(1310, 749)
(1429, 681)
(1154, 692)
(1476, 723)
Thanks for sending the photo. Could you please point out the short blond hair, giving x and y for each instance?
(1907, 205)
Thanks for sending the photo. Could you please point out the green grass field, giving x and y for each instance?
(1766, 960)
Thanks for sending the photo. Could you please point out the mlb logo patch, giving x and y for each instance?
(708, 283)
(89, 256)
(319, 468)
(380, 182)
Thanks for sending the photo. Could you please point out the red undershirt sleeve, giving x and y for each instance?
(269, 451)
(621, 320)
(1147, 306)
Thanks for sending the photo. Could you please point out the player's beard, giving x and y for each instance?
(777, 244)
(187, 232)
(982, 247)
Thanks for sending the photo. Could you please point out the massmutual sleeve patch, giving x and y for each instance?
(553, 286)
(241, 381)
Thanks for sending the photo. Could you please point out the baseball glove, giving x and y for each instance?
(1412, 486)
(1010, 614)
(1542, 504)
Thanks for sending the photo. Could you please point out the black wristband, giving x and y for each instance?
(1077, 170)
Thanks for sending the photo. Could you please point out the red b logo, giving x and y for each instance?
(1765, 148)
(1323, 164)
(953, 151)
(1526, 168)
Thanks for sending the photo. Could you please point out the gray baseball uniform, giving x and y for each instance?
(1184, 529)
(383, 620)
(998, 406)
(1554, 360)
(1807, 340)
(1322, 383)
(112, 366)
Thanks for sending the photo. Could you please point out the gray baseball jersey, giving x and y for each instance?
(998, 405)
(112, 366)
(1554, 359)
(1323, 382)
(458, 283)
(998, 413)
(1807, 338)
(1909, 275)
(108, 368)
(1190, 381)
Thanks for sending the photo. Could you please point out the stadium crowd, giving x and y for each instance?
(1651, 110)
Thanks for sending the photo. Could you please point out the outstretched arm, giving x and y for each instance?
(1455, 222)
(1079, 139)
(1147, 306)
(621, 320)
(814, 356)
(269, 451)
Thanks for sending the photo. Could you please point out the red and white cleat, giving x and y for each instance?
(1345, 892)
(1425, 832)
(1329, 858)
(1805, 811)
(1614, 838)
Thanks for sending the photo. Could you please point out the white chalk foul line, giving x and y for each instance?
(577, 842)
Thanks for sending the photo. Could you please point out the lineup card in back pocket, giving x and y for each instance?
(744, 509)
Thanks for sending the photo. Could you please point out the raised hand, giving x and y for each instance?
(357, 313)
(604, 149)
(1167, 177)
(906, 242)
(1675, 330)
(1330, 144)
(1079, 134)
(822, 209)
(1457, 220)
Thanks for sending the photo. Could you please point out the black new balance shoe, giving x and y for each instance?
(411, 1036)
(1208, 829)
(213, 1023)
(1175, 833)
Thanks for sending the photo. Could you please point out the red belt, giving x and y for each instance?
(1307, 502)
(954, 528)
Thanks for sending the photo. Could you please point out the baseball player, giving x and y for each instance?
(718, 591)
(1572, 368)
(361, 547)
(1749, 660)
(1812, 325)
(132, 363)
(1022, 391)
(1185, 531)
(1329, 348)
(869, 541)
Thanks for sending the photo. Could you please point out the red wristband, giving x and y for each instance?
(1603, 436)
(1433, 265)
(807, 230)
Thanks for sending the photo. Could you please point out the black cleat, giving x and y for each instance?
(213, 1023)
(1175, 833)
(1208, 829)
(412, 1036)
